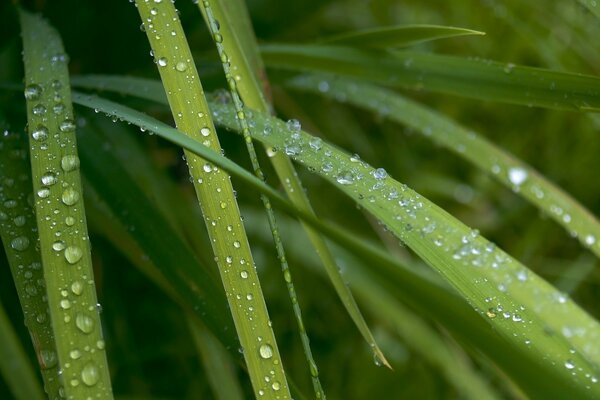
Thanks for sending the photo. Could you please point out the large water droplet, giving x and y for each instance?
(73, 254)
(40, 133)
(68, 125)
(345, 178)
(48, 359)
(49, 179)
(70, 196)
(181, 66)
(379, 173)
(84, 323)
(77, 288)
(293, 125)
(20, 243)
(90, 374)
(162, 62)
(265, 351)
(33, 92)
(69, 163)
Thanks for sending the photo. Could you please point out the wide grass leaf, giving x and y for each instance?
(468, 77)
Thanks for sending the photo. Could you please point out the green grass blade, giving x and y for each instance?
(15, 367)
(396, 36)
(504, 167)
(227, 45)
(240, 59)
(592, 5)
(521, 307)
(17, 222)
(64, 244)
(215, 194)
(478, 79)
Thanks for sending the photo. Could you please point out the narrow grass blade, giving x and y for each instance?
(217, 200)
(397, 36)
(218, 367)
(226, 43)
(592, 5)
(17, 223)
(478, 79)
(64, 244)
(14, 364)
(521, 307)
(504, 167)
(253, 98)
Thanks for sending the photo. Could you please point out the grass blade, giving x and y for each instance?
(397, 36)
(521, 306)
(592, 5)
(507, 169)
(253, 98)
(60, 215)
(15, 367)
(16, 223)
(478, 79)
(215, 194)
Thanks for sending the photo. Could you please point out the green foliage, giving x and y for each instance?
(472, 279)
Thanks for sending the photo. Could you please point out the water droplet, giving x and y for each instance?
(181, 66)
(265, 351)
(39, 109)
(276, 386)
(70, 196)
(379, 173)
(75, 354)
(315, 143)
(69, 163)
(205, 131)
(65, 304)
(207, 167)
(68, 125)
(43, 193)
(49, 179)
(59, 245)
(491, 313)
(69, 221)
(58, 108)
(293, 125)
(244, 274)
(48, 359)
(90, 374)
(40, 133)
(162, 62)
(569, 364)
(237, 244)
(345, 179)
(73, 254)
(517, 175)
(84, 323)
(20, 243)
(19, 220)
(77, 288)
(33, 92)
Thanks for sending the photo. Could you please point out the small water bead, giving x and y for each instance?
(276, 386)
(73, 254)
(237, 244)
(293, 125)
(65, 304)
(40, 133)
(59, 245)
(69, 163)
(590, 240)
(20, 243)
(181, 66)
(90, 374)
(244, 274)
(569, 364)
(162, 62)
(43, 193)
(228, 259)
(207, 167)
(48, 359)
(205, 131)
(77, 288)
(100, 344)
(49, 179)
(517, 175)
(379, 173)
(39, 109)
(58, 108)
(70, 221)
(33, 92)
(345, 179)
(10, 203)
(327, 167)
(68, 125)
(19, 220)
(315, 143)
(265, 351)
(84, 323)
(70, 196)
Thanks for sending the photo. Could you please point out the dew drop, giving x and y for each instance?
(205, 131)
(68, 125)
(265, 351)
(244, 274)
(75, 354)
(345, 179)
(33, 92)
(379, 173)
(20, 243)
(48, 359)
(590, 240)
(90, 374)
(293, 125)
(84, 323)
(69, 221)
(77, 288)
(276, 386)
(162, 62)
(569, 364)
(70, 196)
(69, 163)
(49, 179)
(237, 244)
(43, 193)
(207, 167)
(39, 109)
(40, 133)
(181, 66)
(59, 245)
(517, 175)
(73, 254)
